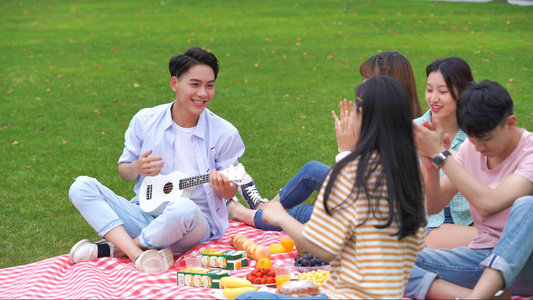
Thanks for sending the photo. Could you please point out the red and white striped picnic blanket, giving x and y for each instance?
(112, 277)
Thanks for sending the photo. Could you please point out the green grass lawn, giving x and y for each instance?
(73, 73)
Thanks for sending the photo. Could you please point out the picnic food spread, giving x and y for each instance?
(207, 270)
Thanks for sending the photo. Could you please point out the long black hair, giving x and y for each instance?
(386, 130)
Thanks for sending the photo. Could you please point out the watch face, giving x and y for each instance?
(438, 160)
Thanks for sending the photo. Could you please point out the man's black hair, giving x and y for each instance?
(482, 106)
(180, 64)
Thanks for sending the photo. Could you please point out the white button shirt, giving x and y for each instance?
(216, 144)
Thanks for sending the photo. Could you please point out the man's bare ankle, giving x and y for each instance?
(261, 206)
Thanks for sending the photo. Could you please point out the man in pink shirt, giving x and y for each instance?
(494, 172)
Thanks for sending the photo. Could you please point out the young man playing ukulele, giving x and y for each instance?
(181, 136)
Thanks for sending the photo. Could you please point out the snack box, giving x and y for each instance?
(201, 277)
(223, 259)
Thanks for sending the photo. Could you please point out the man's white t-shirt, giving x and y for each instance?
(185, 162)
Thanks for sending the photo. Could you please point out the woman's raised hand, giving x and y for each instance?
(344, 129)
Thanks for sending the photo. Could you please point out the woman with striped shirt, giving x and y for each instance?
(369, 218)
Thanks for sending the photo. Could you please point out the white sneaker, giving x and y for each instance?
(168, 257)
(155, 262)
(85, 250)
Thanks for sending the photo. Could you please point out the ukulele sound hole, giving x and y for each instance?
(168, 188)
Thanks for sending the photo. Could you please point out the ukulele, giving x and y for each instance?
(157, 191)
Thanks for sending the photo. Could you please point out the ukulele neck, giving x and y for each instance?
(193, 181)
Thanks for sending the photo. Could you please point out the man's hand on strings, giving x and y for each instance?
(222, 185)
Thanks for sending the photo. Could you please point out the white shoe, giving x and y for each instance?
(85, 250)
(168, 257)
(155, 262)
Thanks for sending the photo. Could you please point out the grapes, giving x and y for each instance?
(297, 260)
(309, 260)
(312, 262)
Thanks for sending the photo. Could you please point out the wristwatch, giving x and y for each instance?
(439, 159)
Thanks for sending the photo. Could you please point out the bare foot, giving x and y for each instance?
(238, 212)
(233, 208)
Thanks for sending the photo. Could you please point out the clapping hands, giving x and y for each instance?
(430, 140)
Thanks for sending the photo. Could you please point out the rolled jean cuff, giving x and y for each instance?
(112, 225)
(425, 284)
(144, 242)
(260, 224)
(497, 262)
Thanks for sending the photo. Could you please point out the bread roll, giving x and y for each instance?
(254, 251)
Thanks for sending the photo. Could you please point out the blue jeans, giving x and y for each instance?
(269, 295)
(296, 191)
(463, 266)
(180, 227)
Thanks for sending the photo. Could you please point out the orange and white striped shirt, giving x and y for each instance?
(370, 263)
